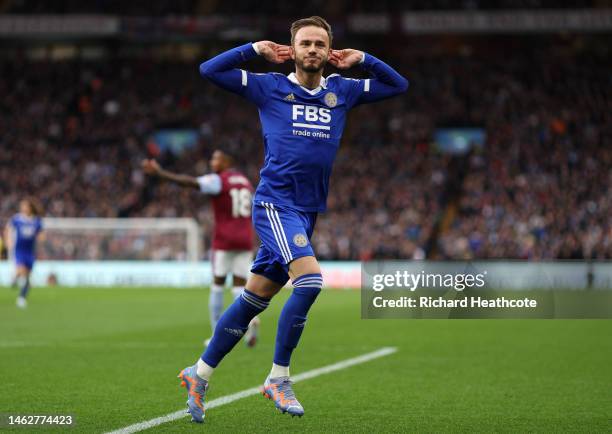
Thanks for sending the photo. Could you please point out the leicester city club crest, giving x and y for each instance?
(300, 240)
(331, 99)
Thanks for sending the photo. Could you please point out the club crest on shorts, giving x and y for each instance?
(300, 240)
(331, 99)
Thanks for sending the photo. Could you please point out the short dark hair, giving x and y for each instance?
(311, 21)
(229, 154)
(35, 205)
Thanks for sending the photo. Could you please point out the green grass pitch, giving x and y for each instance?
(110, 358)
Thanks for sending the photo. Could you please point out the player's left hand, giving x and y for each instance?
(150, 167)
(344, 59)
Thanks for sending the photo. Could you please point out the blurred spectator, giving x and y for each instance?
(73, 133)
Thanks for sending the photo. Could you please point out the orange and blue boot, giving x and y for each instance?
(196, 393)
(280, 391)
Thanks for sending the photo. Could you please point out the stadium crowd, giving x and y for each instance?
(276, 7)
(541, 187)
(73, 134)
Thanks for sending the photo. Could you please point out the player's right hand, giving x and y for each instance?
(150, 167)
(273, 52)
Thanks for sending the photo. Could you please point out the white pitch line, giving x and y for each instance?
(385, 351)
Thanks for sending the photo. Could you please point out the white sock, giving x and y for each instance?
(279, 371)
(21, 281)
(203, 370)
(216, 288)
(215, 304)
(236, 291)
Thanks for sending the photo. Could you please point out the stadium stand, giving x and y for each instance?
(73, 133)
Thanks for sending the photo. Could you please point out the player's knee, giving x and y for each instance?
(262, 286)
(22, 280)
(239, 281)
(304, 265)
(266, 292)
(219, 280)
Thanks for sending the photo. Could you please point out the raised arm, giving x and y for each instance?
(152, 168)
(208, 184)
(386, 81)
(222, 71)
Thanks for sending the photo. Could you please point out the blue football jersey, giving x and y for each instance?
(25, 231)
(301, 127)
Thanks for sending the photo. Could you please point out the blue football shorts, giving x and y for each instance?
(24, 260)
(285, 236)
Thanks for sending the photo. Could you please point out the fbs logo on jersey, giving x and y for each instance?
(331, 99)
(290, 97)
(311, 113)
(300, 240)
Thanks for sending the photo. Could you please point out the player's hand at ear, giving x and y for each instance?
(344, 59)
(274, 52)
(150, 167)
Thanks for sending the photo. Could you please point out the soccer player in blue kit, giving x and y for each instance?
(21, 234)
(302, 117)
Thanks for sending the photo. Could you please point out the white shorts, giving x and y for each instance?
(234, 262)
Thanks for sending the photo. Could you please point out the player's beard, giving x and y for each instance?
(301, 63)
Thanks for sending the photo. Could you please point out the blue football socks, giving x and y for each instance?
(232, 325)
(24, 286)
(292, 319)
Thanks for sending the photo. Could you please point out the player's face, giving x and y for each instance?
(25, 207)
(310, 49)
(217, 162)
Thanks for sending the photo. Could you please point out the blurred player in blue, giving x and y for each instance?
(21, 233)
(302, 117)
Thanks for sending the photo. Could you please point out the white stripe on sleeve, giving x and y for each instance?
(210, 184)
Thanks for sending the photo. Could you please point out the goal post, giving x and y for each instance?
(101, 239)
